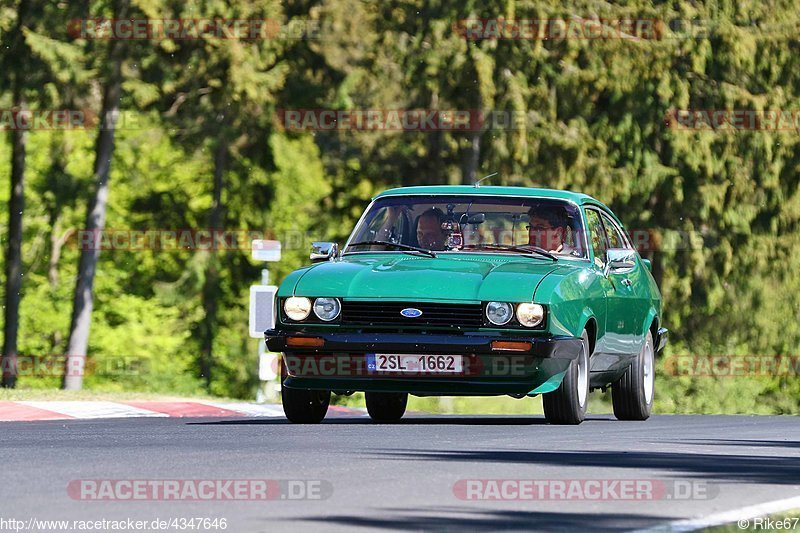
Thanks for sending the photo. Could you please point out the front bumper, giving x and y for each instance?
(340, 363)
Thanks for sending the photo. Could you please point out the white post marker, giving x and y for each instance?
(262, 317)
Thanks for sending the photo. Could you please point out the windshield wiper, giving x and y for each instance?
(399, 246)
(522, 249)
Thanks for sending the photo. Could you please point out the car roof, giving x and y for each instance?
(494, 190)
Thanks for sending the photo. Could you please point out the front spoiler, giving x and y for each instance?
(539, 382)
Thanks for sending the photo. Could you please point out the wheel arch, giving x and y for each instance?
(590, 325)
(655, 327)
(655, 323)
(651, 321)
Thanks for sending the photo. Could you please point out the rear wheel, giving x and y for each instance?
(567, 404)
(386, 406)
(632, 395)
(304, 406)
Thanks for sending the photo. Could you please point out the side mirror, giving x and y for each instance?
(647, 264)
(323, 251)
(620, 261)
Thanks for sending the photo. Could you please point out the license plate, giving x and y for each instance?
(378, 363)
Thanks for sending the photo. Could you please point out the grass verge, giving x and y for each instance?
(21, 394)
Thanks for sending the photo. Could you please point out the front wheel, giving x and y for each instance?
(386, 406)
(632, 395)
(567, 404)
(304, 406)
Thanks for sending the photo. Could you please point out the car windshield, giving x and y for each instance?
(470, 223)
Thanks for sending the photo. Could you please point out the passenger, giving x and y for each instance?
(548, 230)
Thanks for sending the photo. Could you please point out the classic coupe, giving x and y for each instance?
(470, 290)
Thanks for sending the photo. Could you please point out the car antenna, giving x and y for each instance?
(477, 184)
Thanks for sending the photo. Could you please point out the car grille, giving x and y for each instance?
(433, 314)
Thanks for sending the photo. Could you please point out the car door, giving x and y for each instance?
(628, 302)
(598, 244)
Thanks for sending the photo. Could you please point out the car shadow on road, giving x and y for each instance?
(741, 442)
(477, 519)
(441, 420)
(772, 469)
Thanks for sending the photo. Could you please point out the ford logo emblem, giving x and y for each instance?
(411, 312)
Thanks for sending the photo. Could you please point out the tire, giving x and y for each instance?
(632, 395)
(386, 406)
(304, 406)
(567, 404)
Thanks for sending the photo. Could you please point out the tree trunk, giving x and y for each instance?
(16, 205)
(95, 217)
(57, 243)
(19, 51)
(472, 153)
(472, 156)
(211, 282)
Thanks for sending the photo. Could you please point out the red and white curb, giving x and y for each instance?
(80, 410)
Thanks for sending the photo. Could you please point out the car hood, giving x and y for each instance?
(465, 277)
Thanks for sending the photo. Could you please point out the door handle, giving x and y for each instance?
(627, 282)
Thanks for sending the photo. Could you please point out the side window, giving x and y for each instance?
(615, 239)
(597, 237)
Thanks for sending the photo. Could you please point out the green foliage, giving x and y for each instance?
(295, 210)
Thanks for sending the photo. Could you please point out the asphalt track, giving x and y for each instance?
(408, 476)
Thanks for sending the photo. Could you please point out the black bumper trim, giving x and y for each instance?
(556, 347)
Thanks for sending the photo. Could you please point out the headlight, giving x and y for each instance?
(499, 313)
(297, 307)
(327, 308)
(530, 315)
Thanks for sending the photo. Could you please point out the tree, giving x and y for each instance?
(25, 72)
(96, 213)
(220, 99)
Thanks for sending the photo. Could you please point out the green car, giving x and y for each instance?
(467, 290)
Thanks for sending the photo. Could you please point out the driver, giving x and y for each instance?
(430, 234)
(548, 230)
